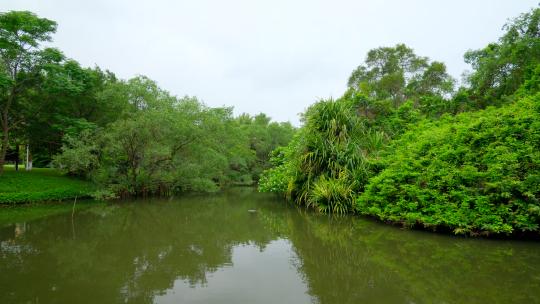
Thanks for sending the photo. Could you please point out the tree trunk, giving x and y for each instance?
(5, 140)
(5, 128)
(17, 154)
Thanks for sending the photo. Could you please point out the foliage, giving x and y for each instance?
(129, 136)
(397, 73)
(332, 194)
(79, 155)
(396, 145)
(501, 67)
(263, 137)
(325, 155)
(327, 163)
(476, 172)
(22, 64)
(276, 178)
(168, 145)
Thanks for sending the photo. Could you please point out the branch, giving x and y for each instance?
(170, 157)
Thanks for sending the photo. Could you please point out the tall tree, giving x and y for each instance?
(501, 67)
(68, 100)
(21, 33)
(398, 74)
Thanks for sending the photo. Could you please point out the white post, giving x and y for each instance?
(28, 165)
(26, 162)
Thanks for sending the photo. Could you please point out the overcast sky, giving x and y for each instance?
(271, 56)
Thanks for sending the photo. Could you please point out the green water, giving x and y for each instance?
(210, 249)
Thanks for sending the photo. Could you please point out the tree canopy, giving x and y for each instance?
(398, 74)
(22, 66)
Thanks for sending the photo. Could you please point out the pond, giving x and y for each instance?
(246, 247)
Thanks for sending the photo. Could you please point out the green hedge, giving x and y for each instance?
(476, 172)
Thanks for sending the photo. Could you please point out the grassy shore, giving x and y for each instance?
(39, 185)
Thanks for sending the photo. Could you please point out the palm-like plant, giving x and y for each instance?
(329, 153)
(326, 163)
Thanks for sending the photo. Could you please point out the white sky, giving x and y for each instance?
(271, 56)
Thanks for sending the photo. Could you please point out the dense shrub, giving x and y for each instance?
(474, 172)
(276, 178)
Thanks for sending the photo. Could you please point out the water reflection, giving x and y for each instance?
(211, 250)
(254, 276)
(351, 261)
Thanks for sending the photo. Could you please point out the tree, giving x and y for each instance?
(68, 100)
(398, 74)
(328, 161)
(263, 136)
(501, 67)
(20, 36)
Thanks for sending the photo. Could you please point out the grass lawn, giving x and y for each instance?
(38, 185)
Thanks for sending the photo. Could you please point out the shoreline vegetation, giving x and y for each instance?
(127, 137)
(404, 144)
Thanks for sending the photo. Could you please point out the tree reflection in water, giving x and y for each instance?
(207, 247)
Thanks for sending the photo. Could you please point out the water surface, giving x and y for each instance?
(210, 249)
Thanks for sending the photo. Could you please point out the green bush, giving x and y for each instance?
(474, 172)
(332, 194)
(276, 179)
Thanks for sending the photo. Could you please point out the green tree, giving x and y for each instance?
(501, 67)
(263, 137)
(398, 74)
(20, 60)
(161, 145)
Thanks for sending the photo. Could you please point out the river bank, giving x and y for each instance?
(40, 185)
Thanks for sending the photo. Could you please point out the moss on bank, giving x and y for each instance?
(40, 184)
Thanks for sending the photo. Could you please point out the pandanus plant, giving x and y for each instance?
(330, 157)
